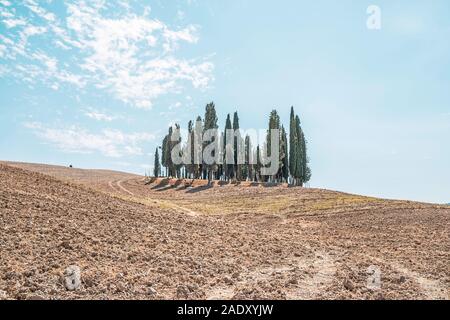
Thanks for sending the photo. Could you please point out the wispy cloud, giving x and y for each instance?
(109, 142)
(99, 115)
(130, 55)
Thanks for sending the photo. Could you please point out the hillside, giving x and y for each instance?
(162, 240)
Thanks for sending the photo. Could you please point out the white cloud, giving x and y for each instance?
(131, 56)
(110, 143)
(99, 116)
(11, 23)
(176, 105)
(39, 11)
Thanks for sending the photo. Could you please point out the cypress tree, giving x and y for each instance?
(198, 148)
(210, 123)
(284, 155)
(176, 167)
(306, 171)
(236, 143)
(168, 155)
(292, 145)
(157, 165)
(189, 165)
(165, 154)
(274, 123)
(228, 168)
(258, 164)
(221, 166)
(246, 168)
(299, 153)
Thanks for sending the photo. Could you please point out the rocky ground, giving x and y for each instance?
(133, 238)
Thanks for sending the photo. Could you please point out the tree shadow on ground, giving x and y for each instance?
(199, 189)
(163, 183)
(150, 181)
(164, 188)
(270, 184)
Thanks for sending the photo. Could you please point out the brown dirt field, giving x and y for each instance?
(136, 239)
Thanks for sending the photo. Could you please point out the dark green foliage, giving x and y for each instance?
(165, 154)
(197, 163)
(157, 164)
(247, 169)
(298, 158)
(299, 153)
(210, 123)
(274, 123)
(210, 117)
(258, 164)
(284, 155)
(237, 141)
(228, 168)
(292, 144)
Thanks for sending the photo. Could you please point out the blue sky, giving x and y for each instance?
(96, 83)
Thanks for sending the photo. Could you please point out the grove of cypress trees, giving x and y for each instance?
(293, 157)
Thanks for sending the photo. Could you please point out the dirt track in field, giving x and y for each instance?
(138, 239)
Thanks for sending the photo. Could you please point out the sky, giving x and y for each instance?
(96, 83)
